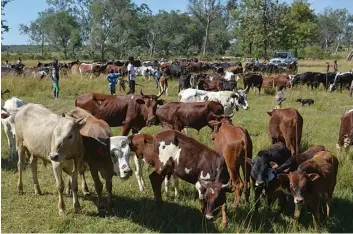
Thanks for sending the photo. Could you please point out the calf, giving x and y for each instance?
(192, 162)
(163, 86)
(286, 126)
(305, 101)
(234, 143)
(262, 172)
(315, 179)
(178, 115)
(346, 131)
(103, 153)
(8, 112)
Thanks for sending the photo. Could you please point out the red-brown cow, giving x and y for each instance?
(315, 179)
(173, 152)
(163, 86)
(179, 115)
(234, 143)
(131, 111)
(345, 137)
(286, 126)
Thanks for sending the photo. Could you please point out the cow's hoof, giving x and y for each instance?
(37, 190)
(77, 210)
(61, 212)
(68, 192)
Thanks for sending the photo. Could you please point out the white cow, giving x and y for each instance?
(229, 76)
(40, 133)
(8, 112)
(229, 99)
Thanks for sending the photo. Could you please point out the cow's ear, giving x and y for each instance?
(269, 113)
(313, 176)
(161, 102)
(273, 165)
(140, 101)
(4, 115)
(214, 123)
(249, 161)
(80, 122)
(283, 180)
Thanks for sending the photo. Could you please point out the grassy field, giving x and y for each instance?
(136, 211)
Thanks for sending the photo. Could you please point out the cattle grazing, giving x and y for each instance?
(196, 115)
(42, 134)
(252, 80)
(131, 111)
(234, 143)
(103, 153)
(315, 179)
(345, 136)
(295, 160)
(263, 173)
(231, 101)
(163, 86)
(286, 126)
(8, 112)
(342, 79)
(305, 101)
(192, 162)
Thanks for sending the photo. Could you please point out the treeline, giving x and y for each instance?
(255, 28)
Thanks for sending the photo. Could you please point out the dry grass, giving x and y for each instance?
(135, 211)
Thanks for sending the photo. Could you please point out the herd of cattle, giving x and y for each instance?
(83, 137)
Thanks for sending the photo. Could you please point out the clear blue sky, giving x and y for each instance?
(24, 11)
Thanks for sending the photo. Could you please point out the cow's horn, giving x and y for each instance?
(141, 93)
(160, 94)
(231, 115)
(203, 183)
(226, 185)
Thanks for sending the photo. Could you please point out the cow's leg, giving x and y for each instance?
(315, 205)
(34, 164)
(246, 168)
(21, 158)
(13, 152)
(224, 215)
(166, 184)
(138, 173)
(288, 140)
(166, 91)
(176, 185)
(156, 182)
(257, 196)
(9, 136)
(109, 187)
(60, 185)
(99, 188)
(328, 203)
(84, 186)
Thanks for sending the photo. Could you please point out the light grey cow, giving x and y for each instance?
(40, 133)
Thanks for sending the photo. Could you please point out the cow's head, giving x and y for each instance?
(298, 184)
(150, 102)
(332, 87)
(65, 138)
(9, 118)
(241, 99)
(262, 170)
(218, 122)
(120, 154)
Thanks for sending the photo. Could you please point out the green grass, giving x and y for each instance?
(136, 211)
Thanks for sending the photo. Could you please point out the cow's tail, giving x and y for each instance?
(245, 166)
(296, 151)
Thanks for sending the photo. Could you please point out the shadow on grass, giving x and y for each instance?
(169, 217)
(341, 216)
(8, 166)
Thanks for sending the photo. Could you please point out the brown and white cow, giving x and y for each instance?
(179, 115)
(131, 111)
(315, 179)
(163, 86)
(40, 133)
(345, 137)
(172, 152)
(234, 143)
(286, 126)
(91, 69)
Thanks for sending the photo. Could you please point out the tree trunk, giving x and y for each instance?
(65, 52)
(265, 49)
(102, 51)
(350, 55)
(42, 48)
(250, 49)
(296, 52)
(206, 37)
(338, 45)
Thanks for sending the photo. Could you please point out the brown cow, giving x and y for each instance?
(103, 154)
(252, 80)
(346, 131)
(163, 86)
(131, 111)
(179, 115)
(235, 69)
(286, 126)
(314, 179)
(234, 143)
(173, 152)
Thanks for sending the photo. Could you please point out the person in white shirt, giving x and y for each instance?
(131, 75)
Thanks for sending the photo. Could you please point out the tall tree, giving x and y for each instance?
(4, 26)
(207, 11)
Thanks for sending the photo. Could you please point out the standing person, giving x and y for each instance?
(280, 97)
(112, 79)
(7, 64)
(131, 75)
(55, 78)
(157, 74)
(335, 66)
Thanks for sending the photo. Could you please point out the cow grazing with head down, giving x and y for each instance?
(172, 152)
(42, 134)
(263, 173)
(103, 153)
(286, 126)
(131, 111)
(313, 181)
(8, 112)
(234, 143)
(345, 136)
(344, 78)
(178, 115)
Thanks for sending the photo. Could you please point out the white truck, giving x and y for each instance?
(282, 58)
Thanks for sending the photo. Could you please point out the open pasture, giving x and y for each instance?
(136, 211)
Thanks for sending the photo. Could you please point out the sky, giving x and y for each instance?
(24, 11)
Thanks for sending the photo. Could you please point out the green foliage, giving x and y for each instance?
(4, 26)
